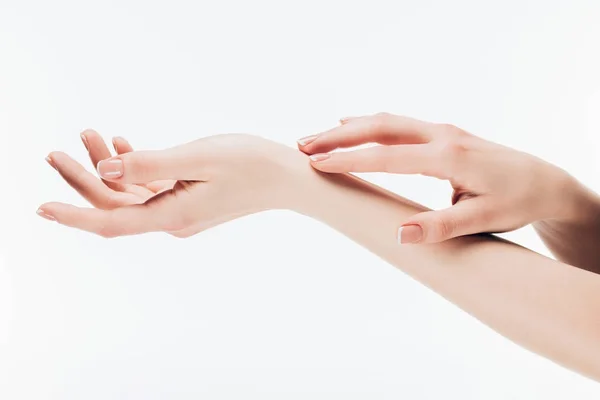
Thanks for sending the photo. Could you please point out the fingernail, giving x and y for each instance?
(50, 161)
(410, 234)
(114, 143)
(307, 140)
(44, 214)
(110, 169)
(85, 143)
(319, 157)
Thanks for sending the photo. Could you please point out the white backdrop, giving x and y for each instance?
(274, 305)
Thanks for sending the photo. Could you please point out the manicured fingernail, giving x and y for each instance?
(307, 140)
(110, 169)
(319, 157)
(44, 214)
(85, 143)
(50, 161)
(410, 234)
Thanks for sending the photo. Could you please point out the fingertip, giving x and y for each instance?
(305, 141)
(55, 153)
(110, 169)
(51, 162)
(86, 136)
(323, 162)
(317, 158)
(89, 131)
(85, 142)
(53, 205)
(45, 213)
(121, 145)
(56, 157)
(410, 234)
(52, 210)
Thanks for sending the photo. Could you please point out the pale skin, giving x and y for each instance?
(544, 305)
(496, 188)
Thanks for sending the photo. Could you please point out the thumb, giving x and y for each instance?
(145, 166)
(465, 218)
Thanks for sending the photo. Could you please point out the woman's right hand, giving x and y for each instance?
(496, 189)
(182, 190)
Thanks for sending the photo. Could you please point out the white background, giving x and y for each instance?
(274, 305)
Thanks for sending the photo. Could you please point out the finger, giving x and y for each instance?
(123, 221)
(87, 185)
(122, 146)
(98, 151)
(402, 159)
(384, 129)
(345, 120)
(146, 166)
(465, 218)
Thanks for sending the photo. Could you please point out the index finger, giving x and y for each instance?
(383, 128)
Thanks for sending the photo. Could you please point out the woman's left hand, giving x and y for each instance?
(182, 190)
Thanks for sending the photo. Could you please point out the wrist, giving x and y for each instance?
(288, 177)
(576, 204)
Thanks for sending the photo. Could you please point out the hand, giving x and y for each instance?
(496, 189)
(181, 190)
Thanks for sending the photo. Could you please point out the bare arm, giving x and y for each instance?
(575, 240)
(541, 304)
(488, 179)
(544, 305)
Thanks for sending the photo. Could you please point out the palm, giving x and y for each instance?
(106, 195)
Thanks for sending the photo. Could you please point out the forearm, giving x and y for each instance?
(575, 240)
(543, 305)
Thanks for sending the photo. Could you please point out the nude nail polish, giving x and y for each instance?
(319, 157)
(85, 142)
(410, 234)
(110, 169)
(45, 215)
(306, 140)
(50, 161)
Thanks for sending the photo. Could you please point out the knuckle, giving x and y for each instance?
(449, 129)
(443, 227)
(378, 123)
(487, 216)
(451, 151)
